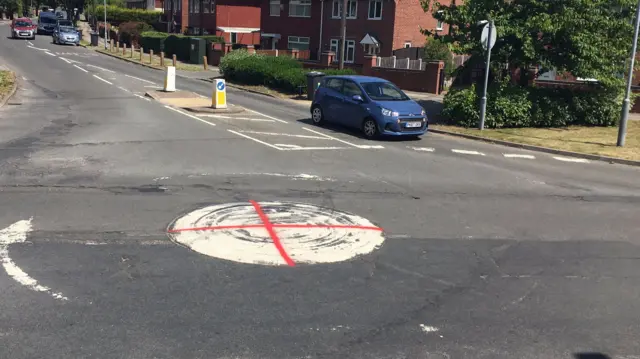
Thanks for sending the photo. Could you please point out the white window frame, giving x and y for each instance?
(439, 24)
(207, 5)
(298, 3)
(352, 9)
(374, 2)
(273, 3)
(350, 44)
(297, 40)
(407, 45)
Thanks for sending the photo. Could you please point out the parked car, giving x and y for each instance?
(373, 105)
(66, 35)
(47, 22)
(23, 28)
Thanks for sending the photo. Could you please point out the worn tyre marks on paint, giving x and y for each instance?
(276, 233)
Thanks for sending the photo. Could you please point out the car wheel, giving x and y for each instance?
(316, 115)
(370, 128)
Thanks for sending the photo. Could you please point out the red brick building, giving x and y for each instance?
(373, 26)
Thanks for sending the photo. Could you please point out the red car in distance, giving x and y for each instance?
(23, 28)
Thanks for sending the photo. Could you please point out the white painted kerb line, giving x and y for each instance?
(80, 68)
(517, 155)
(465, 152)
(191, 116)
(101, 79)
(17, 233)
(570, 159)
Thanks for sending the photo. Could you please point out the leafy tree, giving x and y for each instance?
(437, 50)
(11, 7)
(588, 38)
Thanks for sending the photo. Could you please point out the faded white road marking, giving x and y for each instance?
(287, 145)
(301, 176)
(571, 159)
(267, 116)
(139, 79)
(101, 68)
(17, 233)
(142, 97)
(284, 134)
(123, 89)
(317, 148)
(332, 138)
(30, 43)
(466, 152)
(24, 78)
(65, 60)
(236, 118)
(48, 53)
(80, 68)
(189, 115)
(101, 79)
(422, 149)
(256, 140)
(123, 242)
(428, 329)
(152, 87)
(517, 155)
(37, 48)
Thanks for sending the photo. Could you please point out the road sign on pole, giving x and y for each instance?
(489, 31)
(219, 98)
(488, 39)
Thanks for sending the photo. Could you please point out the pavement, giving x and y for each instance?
(134, 229)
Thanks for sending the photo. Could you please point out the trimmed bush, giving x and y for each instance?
(117, 15)
(509, 105)
(130, 32)
(281, 73)
(152, 40)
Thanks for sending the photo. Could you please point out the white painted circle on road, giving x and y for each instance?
(276, 233)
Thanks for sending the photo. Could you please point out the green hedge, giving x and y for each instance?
(171, 44)
(130, 32)
(282, 73)
(118, 15)
(509, 105)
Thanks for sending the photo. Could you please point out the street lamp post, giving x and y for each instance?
(106, 30)
(624, 116)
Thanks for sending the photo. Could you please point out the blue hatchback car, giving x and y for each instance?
(373, 105)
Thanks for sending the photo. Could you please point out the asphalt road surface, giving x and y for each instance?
(130, 230)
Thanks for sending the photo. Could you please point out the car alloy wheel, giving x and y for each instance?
(316, 115)
(370, 128)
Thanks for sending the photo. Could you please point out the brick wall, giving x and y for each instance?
(410, 80)
(409, 18)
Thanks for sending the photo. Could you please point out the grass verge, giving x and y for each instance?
(151, 61)
(591, 140)
(7, 79)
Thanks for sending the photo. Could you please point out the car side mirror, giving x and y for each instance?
(357, 98)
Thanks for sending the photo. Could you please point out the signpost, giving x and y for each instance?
(487, 39)
(219, 97)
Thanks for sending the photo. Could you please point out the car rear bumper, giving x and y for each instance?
(399, 129)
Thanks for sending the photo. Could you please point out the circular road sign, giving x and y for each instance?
(485, 35)
(276, 233)
(220, 86)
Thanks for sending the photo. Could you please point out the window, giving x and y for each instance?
(352, 9)
(233, 36)
(350, 50)
(375, 9)
(334, 84)
(300, 8)
(407, 45)
(274, 7)
(350, 89)
(384, 91)
(439, 25)
(371, 49)
(298, 43)
(207, 5)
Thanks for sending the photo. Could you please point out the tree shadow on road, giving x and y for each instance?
(591, 356)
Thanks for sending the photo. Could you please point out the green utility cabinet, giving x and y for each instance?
(198, 49)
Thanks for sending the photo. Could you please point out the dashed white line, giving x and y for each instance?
(146, 99)
(37, 48)
(517, 155)
(466, 152)
(237, 118)
(422, 149)
(287, 145)
(101, 68)
(17, 233)
(571, 159)
(50, 54)
(80, 68)
(101, 79)
(143, 80)
(284, 135)
(189, 115)
(267, 116)
(30, 43)
(316, 148)
(123, 89)
(256, 140)
(65, 60)
(428, 329)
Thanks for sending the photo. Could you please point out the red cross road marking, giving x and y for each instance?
(271, 227)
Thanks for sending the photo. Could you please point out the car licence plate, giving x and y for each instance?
(413, 124)
(24, 34)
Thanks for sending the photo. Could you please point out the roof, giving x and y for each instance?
(359, 78)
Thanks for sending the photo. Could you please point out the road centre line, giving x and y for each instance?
(317, 148)
(334, 138)
(143, 80)
(65, 60)
(80, 68)
(422, 149)
(101, 68)
(570, 159)
(50, 54)
(256, 140)
(123, 89)
(517, 155)
(30, 43)
(189, 115)
(267, 116)
(37, 48)
(101, 79)
(466, 152)
(284, 134)
(142, 97)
